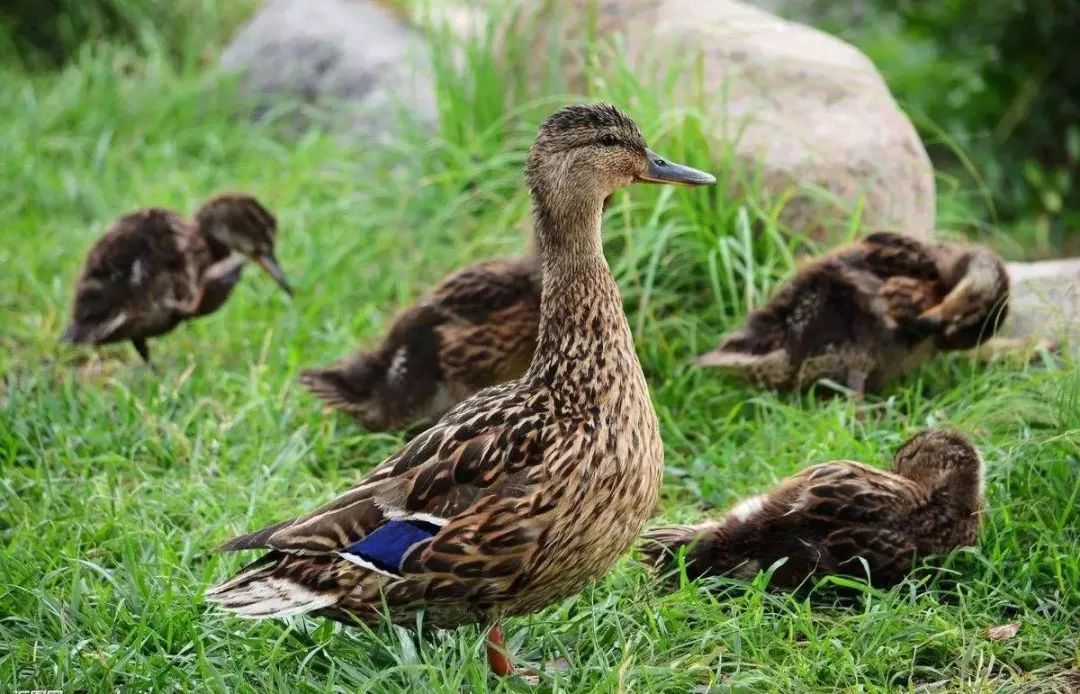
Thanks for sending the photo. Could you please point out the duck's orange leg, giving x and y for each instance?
(498, 660)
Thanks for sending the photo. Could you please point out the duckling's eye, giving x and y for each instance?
(609, 140)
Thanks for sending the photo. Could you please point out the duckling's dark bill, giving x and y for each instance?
(270, 264)
(660, 170)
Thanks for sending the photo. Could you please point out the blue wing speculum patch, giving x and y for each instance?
(384, 548)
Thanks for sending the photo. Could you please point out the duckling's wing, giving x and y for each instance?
(492, 316)
(476, 292)
(845, 491)
(863, 509)
(469, 484)
(889, 254)
(882, 555)
(859, 508)
(134, 275)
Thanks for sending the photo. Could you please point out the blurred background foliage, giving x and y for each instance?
(46, 34)
(994, 90)
(993, 87)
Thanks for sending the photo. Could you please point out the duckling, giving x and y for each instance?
(833, 517)
(869, 313)
(476, 328)
(154, 269)
(525, 492)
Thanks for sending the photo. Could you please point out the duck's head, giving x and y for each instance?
(583, 154)
(976, 304)
(240, 223)
(941, 460)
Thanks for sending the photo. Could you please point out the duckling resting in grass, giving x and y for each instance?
(525, 492)
(868, 313)
(833, 517)
(154, 269)
(476, 329)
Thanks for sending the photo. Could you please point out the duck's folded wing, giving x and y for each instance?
(452, 485)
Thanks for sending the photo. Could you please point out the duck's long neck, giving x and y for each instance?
(584, 340)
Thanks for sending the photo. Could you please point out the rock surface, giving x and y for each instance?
(807, 113)
(1044, 300)
(347, 54)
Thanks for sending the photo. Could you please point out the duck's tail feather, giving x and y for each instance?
(348, 385)
(721, 358)
(660, 546)
(266, 588)
(253, 540)
(89, 333)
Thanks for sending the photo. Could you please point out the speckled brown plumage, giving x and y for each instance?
(476, 328)
(154, 269)
(529, 489)
(831, 517)
(868, 313)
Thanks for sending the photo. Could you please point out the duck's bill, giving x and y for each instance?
(660, 170)
(269, 263)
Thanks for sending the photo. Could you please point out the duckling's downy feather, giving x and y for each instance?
(154, 269)
(475, 329)
(842, 517)
(868, 313)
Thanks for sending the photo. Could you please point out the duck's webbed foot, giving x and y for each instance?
(498, 659)
(1022, 348)
(856, 381)
(143, 349)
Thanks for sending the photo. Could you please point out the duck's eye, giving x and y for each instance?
(609, 140)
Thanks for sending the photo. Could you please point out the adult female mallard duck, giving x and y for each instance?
(526, 491)
(868, 313)
(476, 328)
(154, 269)
(842, 517)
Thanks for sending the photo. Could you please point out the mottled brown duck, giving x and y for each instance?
(868, 313)
(841, 518)
(476, 328)
(525, 492)
(154, 269)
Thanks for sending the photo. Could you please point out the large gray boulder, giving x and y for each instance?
(805, 114)
(352, 57)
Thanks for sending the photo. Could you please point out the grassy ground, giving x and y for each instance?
(118, 482)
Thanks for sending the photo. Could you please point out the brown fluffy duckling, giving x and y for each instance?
(868, 313)
(831, 517)
(154, 269)
(475, 329)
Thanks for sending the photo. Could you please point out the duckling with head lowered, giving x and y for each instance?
(833, 517)
(525, 492)
(475, 329)
(154, 269)
(868, 313)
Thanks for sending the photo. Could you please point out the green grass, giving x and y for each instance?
(118, 482)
